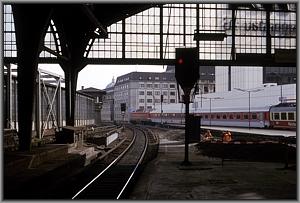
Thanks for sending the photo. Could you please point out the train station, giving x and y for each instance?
(218, 121)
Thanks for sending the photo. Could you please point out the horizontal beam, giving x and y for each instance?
(120, 61)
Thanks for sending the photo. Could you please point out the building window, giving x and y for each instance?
(156, 86)
(205, 89)
(141, 93)
(156, 78)
(149, 107)
(149, 85)
(157, 101)
(142, 85)
(157, 92)
(164, 85)
(149, 93)
(149, 100)
(142, 101)
(172, 93)
(165, 93)
(172, 101)
(172, 86)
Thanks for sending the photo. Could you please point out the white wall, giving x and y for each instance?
(243, 77)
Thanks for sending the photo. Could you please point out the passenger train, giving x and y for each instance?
(281, 116)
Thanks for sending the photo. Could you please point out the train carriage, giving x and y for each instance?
(280, 116)
(283, 116)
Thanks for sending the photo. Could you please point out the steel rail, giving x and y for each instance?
(137, 165)
(111, 164)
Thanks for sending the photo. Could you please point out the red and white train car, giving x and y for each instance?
(280, 116)
(283, 116)
(237, 117)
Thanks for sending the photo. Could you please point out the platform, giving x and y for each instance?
(271, 132)
(165, 178)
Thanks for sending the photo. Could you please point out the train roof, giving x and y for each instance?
(179, 108)
(282, 108)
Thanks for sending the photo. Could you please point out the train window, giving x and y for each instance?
(238, 116)
(260, 116)
(230, 116)
(206, 116)
(276, 116)
(224, 116)
(218, 116)
(291, 116)
(254, 116)
(245, 116)
(283, 115)
(212, 116)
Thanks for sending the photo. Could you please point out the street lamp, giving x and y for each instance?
(161, 110)
(210, 98)
(249, 93)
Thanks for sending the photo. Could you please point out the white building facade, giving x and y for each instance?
(141, 91)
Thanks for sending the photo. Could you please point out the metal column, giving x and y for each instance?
(58, 104)
(8, 97)
(38, 106)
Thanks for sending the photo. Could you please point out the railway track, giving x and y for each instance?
(112, 181)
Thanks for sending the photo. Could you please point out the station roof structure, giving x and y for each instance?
(130, 33)
(77, 34)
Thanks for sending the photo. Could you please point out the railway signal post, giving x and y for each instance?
(187, 75)
(123, 109)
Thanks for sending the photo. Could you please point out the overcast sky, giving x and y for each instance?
(98, 76)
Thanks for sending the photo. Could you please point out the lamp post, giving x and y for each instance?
(210, 98)
(249, 96)
(161, 110)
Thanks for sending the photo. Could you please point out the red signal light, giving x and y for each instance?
(180, 61)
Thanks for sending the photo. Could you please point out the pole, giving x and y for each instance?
(186, 149)
(281, 93)
(209, 111)
(201, 96)
(8, 97)
(161, 111)
(249, 110)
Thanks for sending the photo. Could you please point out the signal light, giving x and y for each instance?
(187, 67)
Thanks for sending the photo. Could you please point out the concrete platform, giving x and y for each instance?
(165, 178)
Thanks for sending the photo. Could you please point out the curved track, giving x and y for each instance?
(112, 182)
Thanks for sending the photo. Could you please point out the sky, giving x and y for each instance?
(98, 76)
